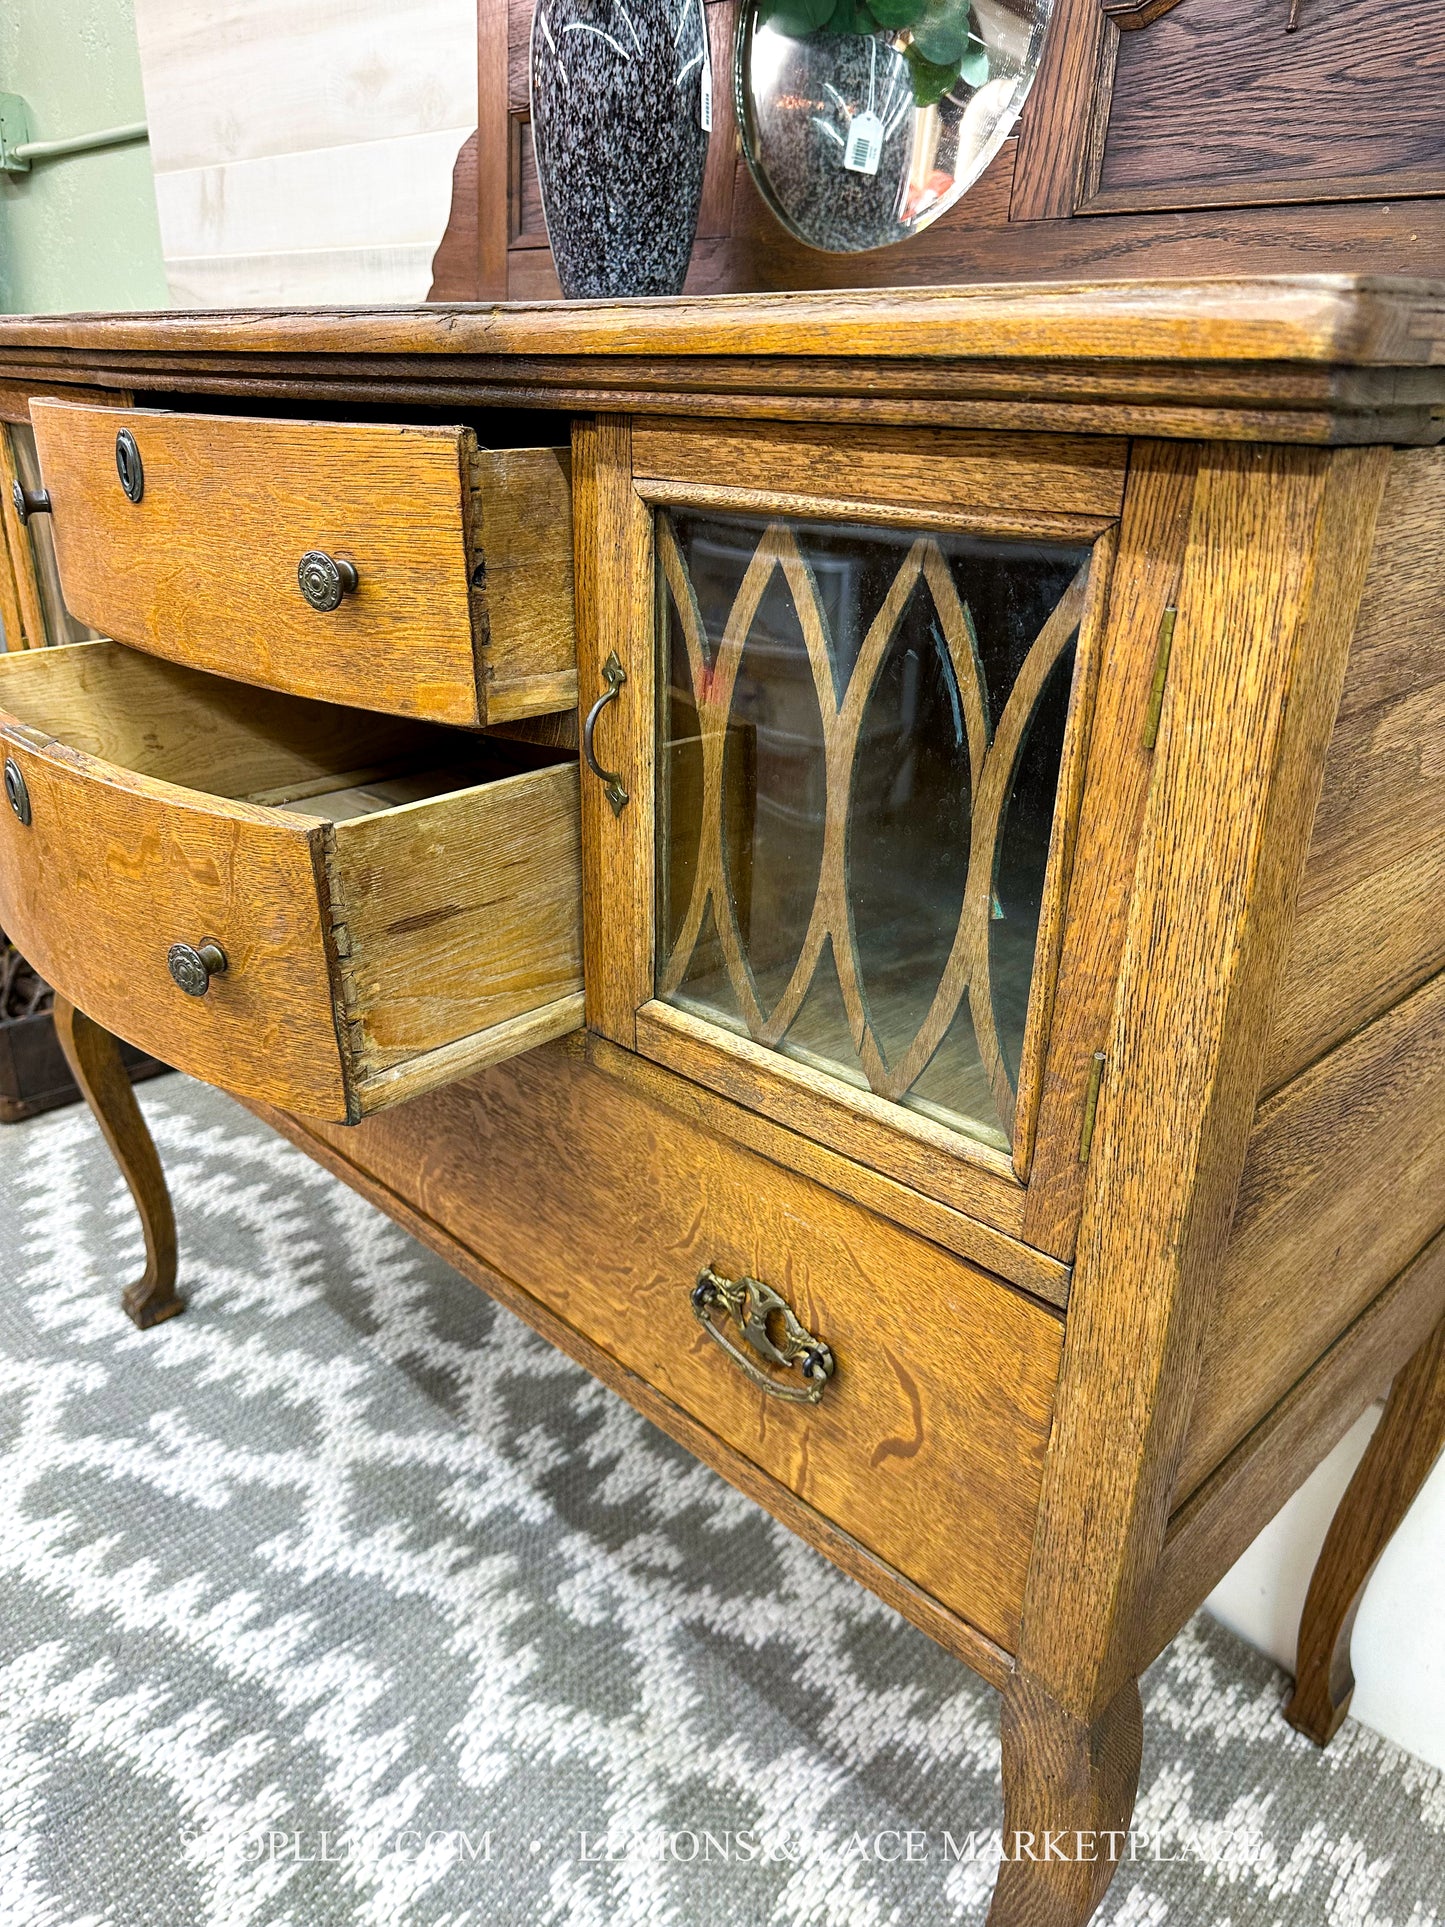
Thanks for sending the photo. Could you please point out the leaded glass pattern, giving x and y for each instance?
(861, 734)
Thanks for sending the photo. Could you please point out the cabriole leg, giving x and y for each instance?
(1397, 1462)
(94, 1059)
(1069, 1793)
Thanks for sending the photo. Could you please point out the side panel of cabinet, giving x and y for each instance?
(1345, 1181)
(1368, 930)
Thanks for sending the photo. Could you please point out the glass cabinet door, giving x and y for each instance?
(860, 741)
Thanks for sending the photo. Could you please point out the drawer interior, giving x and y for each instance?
(229, 740)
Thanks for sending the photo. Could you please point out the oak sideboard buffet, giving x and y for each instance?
(870, 865)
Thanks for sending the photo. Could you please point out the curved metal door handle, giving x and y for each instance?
(614, 675)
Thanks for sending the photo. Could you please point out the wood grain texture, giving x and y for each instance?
(1152, 537)
(1343, 1184)
(338, 1154)
(454, 267)
(1218, 102)
(921, 470)
(1325, 320)
(458, 914)
(138, 865)
(961, 1172)
(369, 957)
(1069, 97)
(1032, 1271)
(1101, 394)
(976, 241)
(1275, 564)
(1224, 1516)
(463, 613)
(95, 1063)
(521, 536)
(24, 614)
(1063, 840)
(615, 585)
(1072, 1781)
(1398, 1459)
(203, 568)
(927, 1445)
(182, 726)
(1367, 930)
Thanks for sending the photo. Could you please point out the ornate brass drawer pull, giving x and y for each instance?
(193, 966)
(759, 1312)
(614, 675)
(324, 580)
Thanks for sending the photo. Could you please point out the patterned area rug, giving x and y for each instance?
(343, 1599)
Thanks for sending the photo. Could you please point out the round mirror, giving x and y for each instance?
(862, 123)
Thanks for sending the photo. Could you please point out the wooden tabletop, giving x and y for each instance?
(1324, 358)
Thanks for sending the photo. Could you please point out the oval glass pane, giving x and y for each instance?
(1023, 860)
(774, 792)
(864, 120)
(908, 828)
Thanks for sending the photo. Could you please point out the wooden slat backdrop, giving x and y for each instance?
(303, 149)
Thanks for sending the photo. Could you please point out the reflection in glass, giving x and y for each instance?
(861, 732)
(862, 123)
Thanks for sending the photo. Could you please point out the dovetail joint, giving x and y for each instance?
(1091, 1106)
(1161, 676)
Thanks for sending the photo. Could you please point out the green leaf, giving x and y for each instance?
(931, 80)
(852, 16)
(895, 15)
(975, 66)
(941, 32)
(795, 18)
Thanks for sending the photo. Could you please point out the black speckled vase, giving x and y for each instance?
(620, 95)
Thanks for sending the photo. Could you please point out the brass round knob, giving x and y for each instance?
(193, 966)
(16, 794)
(325, 580)
(128, 466)
(29, 501)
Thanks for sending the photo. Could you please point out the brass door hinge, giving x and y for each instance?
(1091, 1105)
(1161, 676)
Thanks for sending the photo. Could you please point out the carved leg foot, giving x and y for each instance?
(94, 1059)
(1397, 1462)
(1068, 1800)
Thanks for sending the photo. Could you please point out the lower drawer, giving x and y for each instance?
(312, 906)
(927, 1445)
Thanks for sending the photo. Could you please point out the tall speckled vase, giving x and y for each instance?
(621, 104)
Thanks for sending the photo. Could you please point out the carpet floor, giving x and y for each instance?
(344, 1599)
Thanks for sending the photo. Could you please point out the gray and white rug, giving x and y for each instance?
(343, 1599)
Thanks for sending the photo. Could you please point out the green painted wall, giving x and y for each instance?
(80, 232)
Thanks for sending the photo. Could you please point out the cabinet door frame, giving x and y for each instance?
(989, 484)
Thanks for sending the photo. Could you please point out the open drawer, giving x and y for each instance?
(405, 569)
(316, 907)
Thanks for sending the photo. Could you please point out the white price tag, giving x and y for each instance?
(864, 149)
(704, 104)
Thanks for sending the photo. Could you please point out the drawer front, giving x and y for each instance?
(373, 946)
(461, 610)
(110, 872)
(928, 1442)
